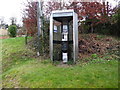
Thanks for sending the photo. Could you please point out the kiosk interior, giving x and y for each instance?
(64, 36)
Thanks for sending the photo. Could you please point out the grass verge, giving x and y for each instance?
(22, 70)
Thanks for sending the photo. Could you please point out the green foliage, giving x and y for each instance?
(56, 62)
(45, 38)
(12, 30)
(70, 62)
(115, 30)
(110, 27)
(94, 55)
(46, 61)
(103, 28)
(100, 36)
(85, 27)
(41, 43)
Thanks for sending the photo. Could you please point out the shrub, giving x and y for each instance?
(12, 30)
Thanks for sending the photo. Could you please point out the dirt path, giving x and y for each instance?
(4, 37)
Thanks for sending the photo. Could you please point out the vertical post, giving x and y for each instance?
(26, 37)
(38, 19)
(51, 37)
(39, 22)
(41, 16)
(75, 36)
(62, 4)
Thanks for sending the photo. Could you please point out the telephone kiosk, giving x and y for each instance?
(63, 36)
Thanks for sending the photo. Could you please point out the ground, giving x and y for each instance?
(3, 34)
(22, 69)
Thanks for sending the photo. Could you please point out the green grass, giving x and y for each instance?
(21, 69)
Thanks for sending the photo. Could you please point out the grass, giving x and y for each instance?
(22, 70)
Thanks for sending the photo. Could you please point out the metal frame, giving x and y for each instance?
(51, 37)
(65, 13)
(75, 36)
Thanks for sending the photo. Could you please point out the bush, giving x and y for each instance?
(12, 30)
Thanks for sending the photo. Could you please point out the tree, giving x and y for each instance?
(3, 25)
(1, 20)
(115, 21)
(12, 30)
(30, 18)
(95, 12)
(13, 20)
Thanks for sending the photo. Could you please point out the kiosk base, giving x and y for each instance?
(64, 57)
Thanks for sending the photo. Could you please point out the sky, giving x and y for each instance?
(13, 8)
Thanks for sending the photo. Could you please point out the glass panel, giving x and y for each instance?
(57, 37)
(58, 42)
(70, 51)
(57, 31)
(57, 53)
(71, 30)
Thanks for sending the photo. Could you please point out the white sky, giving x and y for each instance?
(13, 8)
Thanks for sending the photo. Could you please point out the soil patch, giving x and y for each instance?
(4, 37)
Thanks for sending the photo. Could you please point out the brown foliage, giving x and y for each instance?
(95, 44)
(89, 10)
(30, 18)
